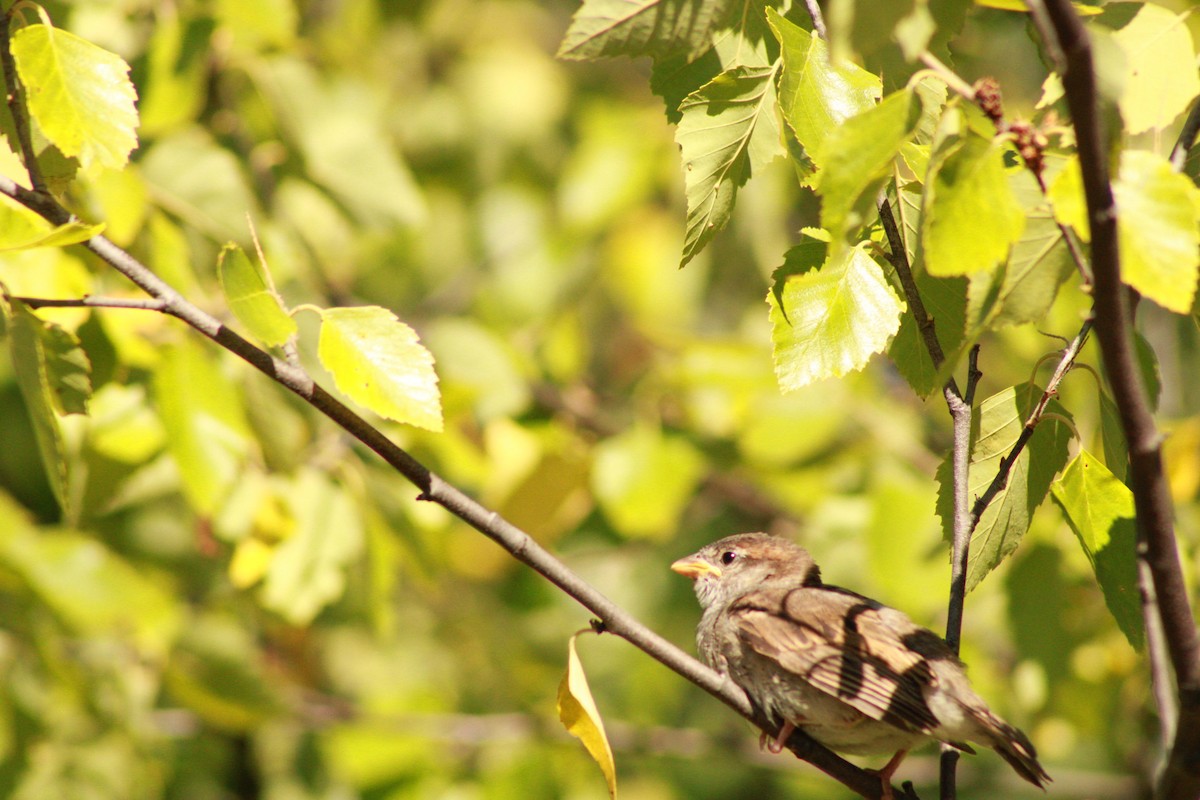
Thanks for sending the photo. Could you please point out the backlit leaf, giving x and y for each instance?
(377, 361)
(79, 94)
(659, 28)
(1160, 65)
(252, 298)
(829, 321)
(1099, 509)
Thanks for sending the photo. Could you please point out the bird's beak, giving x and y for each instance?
(692, 567)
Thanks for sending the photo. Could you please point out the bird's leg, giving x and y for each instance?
(775, 746)
(889, 769)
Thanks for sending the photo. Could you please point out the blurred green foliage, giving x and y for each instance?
(220, 595)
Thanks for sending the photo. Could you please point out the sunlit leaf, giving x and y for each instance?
(252, 298)
(578, 713)
(377, 361)
(727, 130)
(1160, 63)
(1099, 509)
(857, 153)
(659, 28)
(829, 321)
(816, 93)
(80, 95)
(21, 229)
(971, 216)
(1158, 234)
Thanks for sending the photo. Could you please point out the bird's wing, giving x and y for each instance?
(869, 656)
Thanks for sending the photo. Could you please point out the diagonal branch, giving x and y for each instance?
(1065, 35)
(434, 489)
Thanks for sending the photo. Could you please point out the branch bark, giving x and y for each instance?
(1114, 333)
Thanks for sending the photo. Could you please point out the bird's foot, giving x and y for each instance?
(775, 746)
(889, 769)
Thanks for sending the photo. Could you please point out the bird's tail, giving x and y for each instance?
(1015, 748)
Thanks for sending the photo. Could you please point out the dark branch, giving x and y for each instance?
(1156, 534)
(94, 302)
(16, 106)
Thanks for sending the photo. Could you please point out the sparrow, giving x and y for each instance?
(859, 677)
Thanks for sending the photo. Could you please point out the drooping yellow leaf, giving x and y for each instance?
(578, 714)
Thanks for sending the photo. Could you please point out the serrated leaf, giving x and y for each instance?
(971, 216)
(1099, 509)
(1160, 68)
(727, 129)
(995, 428)
(658, 28)
(1024, 288)
(857, 154)
(207, 434)
(578, 713)
(816, 93)
(308, 570)
(252, 298)
(1158, 235)
(53, 374)
(79, 94)
(827, 322)
(643, 479)
(378, 361)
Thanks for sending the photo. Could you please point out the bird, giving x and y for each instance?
(859, 677)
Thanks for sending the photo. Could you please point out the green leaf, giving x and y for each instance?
(827, 322)
(1099, 509)
(377, 361)
(945, 301)
(658, 28)
(88, 587)
(995, 429)
(1024, 288)
(971, 216)
(1159, 238)
(727, 130)
(79, 94)
(22, 229)
(816, 93)
(856, 154)
(252, 298)
(1160, 68)
(308, 571)
(578, 713)
(53, 374)
(642, 480)
(206, 427)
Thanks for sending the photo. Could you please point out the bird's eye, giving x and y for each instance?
(728, 557)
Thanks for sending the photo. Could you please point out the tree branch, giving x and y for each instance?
(16, 106)
(94, 302)
(434, 489)
(1156, 535)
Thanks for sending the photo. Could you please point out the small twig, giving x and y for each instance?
(818, 20)
(143, 304)
(948, 76)
(16, 106)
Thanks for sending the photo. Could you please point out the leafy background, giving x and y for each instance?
(232, 600)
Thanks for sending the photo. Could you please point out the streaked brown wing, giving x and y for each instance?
(838, 643)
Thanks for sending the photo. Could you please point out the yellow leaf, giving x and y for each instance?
(578, 714)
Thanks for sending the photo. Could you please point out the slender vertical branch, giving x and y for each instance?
(16, 106)
(1156, 534)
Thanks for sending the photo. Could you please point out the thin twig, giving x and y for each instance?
(1152, 501)
(948, 76)
(818, 20)
(144, 304)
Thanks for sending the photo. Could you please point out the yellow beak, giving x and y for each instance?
(692, 567)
